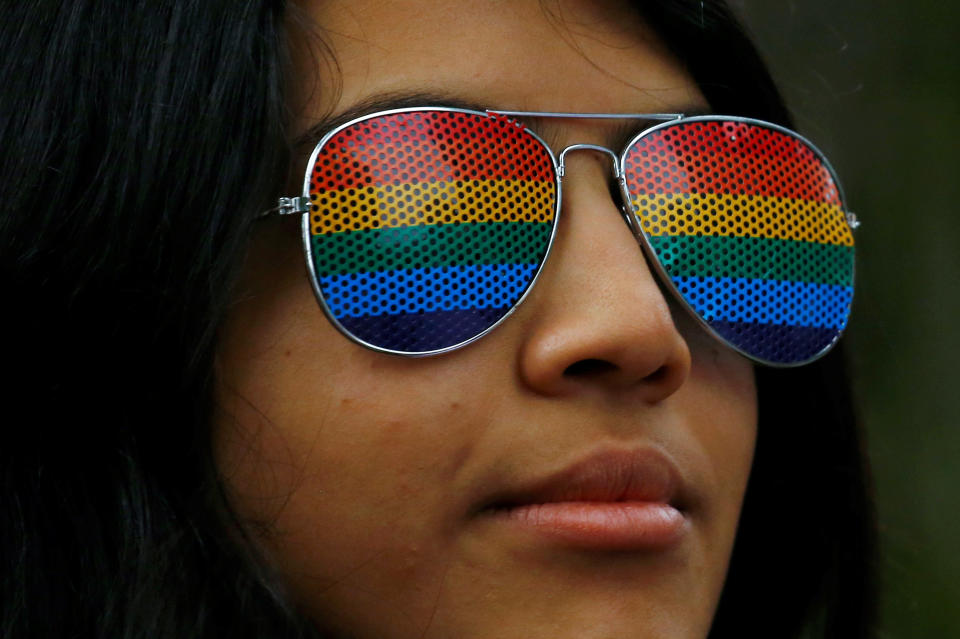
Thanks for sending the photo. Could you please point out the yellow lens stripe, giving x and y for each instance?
(411, 204)
(743, 216)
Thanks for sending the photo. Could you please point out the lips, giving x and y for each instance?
(610, 500)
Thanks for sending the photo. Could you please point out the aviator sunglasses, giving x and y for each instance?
(424, 228)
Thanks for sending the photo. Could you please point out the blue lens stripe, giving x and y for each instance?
(426, 290)
(423, 331)
(732, 299)
(781, 344)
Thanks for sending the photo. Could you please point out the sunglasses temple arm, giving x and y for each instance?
(288, 206)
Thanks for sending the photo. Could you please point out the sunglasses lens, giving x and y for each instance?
(746, 222)
(427, 227)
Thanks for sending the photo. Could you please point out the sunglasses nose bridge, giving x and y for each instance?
(618, 177)
(590, 147)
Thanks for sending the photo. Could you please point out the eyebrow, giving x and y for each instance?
(407, 99)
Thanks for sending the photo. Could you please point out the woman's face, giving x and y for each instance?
(579, 471)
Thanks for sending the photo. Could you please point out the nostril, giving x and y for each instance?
(589, 367)
(658, 375)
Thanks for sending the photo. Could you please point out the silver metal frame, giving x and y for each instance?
(309, 254)
(647, 247)
(301, 206)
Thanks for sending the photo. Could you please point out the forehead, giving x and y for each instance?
(567, 55)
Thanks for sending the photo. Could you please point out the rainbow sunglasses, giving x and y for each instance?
(425, 228)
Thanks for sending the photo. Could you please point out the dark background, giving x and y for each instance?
(876, 85)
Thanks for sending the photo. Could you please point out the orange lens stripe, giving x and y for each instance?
(412, 204)
(743, 216)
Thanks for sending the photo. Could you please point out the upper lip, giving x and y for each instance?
(644, 474)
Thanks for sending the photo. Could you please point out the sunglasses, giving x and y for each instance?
(425, 228)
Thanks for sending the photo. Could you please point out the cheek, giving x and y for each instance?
(337, 460)
(345, 483)
(723, 420)
(720, 399)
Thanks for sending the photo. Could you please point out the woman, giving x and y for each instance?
(198, 450)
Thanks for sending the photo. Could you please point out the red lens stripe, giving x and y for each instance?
(727, 158)
(430, 146)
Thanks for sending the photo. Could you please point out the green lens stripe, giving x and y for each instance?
(755, 258)
(430, 245)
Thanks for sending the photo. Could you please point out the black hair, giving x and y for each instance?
(139, 141)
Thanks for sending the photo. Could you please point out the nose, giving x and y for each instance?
(601, 323)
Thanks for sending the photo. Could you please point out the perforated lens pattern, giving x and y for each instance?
(427, 227)
(748, 224)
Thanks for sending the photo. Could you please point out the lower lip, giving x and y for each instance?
(627, 525)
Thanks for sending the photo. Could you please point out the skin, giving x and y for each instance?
(360, 474)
